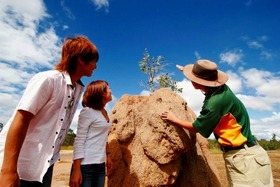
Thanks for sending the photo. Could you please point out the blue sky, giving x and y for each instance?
(242, 37)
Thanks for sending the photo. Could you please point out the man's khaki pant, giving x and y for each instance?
(248, 167)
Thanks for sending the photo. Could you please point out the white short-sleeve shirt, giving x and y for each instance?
(48, 97)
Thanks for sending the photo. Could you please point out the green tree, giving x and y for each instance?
(157, 77)
(1, 126)
(273, 143)
(70, 138)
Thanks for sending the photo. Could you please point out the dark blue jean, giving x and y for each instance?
(47, 180)
(93, 175)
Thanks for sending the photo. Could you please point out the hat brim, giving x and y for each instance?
(222, 77)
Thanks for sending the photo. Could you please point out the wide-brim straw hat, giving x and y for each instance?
(204, 72)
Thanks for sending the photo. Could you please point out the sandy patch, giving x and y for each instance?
(62, 169)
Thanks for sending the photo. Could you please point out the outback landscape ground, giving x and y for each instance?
(62, 168)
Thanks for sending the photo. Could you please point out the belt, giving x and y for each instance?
(228, 148)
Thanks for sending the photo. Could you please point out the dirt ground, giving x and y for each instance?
(62, 168)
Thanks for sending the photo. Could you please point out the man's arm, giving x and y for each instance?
(14, 141)
(168, 115)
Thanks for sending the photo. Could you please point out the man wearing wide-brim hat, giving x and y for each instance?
(247, 163)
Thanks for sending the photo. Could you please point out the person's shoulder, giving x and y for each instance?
(226, 87)
(227, 90)
(88, 110)
(223, 96)
(49, 74)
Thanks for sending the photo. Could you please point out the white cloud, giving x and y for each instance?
(101, 4)
(20, 26)
(65, 27)
(261, 88)
(234, 81)
(265, 54)
(196, 53)
(67, 11)
(266, 127)
(263, 38)
(145, 93)
(255, 45)
(193, 97)
(265, 83)
(27, 14)
(231, 57)
(27, 46)
(256, 102)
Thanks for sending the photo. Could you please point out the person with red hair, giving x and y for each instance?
(30, 141)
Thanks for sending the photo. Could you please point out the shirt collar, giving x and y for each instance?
(214, 90)
(68, 79)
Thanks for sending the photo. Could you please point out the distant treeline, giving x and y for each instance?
(268, 145)
(272, 144)
(70, 138)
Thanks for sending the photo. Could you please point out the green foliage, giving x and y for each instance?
(272, 144)
(157, 78)
(70, 138)
(213, 144)
(166, 81)
(1, 126)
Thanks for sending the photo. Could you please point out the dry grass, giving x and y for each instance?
(62, 168)
(220, 164)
